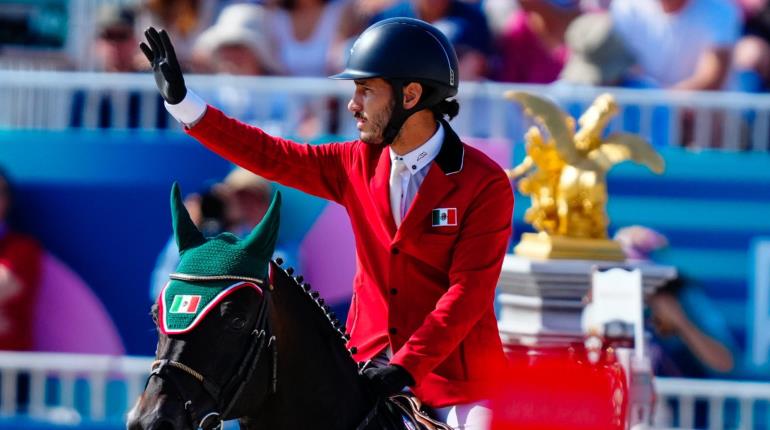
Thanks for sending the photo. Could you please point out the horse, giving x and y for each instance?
(234, 343)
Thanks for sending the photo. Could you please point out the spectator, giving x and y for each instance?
(248, 197)
(691, 334)
(238, 43)
(598, 56)
(115, 44)
(207, 210)
(683, 45)
(20, 271)
(235, 205)
(184, 20)
(680, 44)
(311, 36)
(752, 52)
(532, 46)
(308, 32)
(115, 52)
(463, 24)
(497, 13)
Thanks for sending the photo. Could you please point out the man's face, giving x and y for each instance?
(116, 47)
(372, 105)
(236, 59)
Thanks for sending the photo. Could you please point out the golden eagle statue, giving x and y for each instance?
(566, 178)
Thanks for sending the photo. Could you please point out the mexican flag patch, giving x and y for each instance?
(444, 217)
(184, 304)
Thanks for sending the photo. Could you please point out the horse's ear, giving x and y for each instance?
(185, 232)
(262, 239)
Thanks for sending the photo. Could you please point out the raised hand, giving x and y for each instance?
(168, 75)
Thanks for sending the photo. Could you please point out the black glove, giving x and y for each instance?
(388, 380)
(165, 67)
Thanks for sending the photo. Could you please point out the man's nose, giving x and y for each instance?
(354, 106)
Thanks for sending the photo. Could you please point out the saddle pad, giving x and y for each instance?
(182, 304)
(413, 414)
(400, 412)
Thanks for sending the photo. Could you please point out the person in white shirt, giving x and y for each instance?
(308, 33)
(680, 44)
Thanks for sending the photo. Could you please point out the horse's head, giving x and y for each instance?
(214, 353)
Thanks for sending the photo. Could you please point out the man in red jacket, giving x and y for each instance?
(431, 215)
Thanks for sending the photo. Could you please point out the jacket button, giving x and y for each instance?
(393, 291)
(392, 330)
(353, 350)
(394, 251)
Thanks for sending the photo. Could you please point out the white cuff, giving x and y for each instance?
(189, 110)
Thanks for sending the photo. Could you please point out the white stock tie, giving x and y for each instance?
(396, 189)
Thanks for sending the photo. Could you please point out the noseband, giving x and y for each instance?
(237, 382)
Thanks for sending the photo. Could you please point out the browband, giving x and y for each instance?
(186, 277)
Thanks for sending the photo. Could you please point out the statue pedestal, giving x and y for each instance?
(545, 247)
(542, 301)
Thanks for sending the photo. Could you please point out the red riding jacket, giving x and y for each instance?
(425, 290)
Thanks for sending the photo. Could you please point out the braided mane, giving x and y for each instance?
(325, 317)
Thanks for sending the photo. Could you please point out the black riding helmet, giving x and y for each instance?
(403, 50)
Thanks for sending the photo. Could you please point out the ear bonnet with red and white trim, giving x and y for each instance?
(204, 262)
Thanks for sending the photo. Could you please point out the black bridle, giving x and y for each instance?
(260, 338)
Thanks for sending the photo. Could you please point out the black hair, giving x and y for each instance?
(433, 98)
(446, 108)
(443, 108)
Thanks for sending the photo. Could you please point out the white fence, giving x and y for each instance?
(39, 99)
(52, 380)
(682, 403)
(711, 404)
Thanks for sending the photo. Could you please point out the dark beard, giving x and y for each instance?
(378, 123)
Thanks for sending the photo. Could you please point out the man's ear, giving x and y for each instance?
(412, 93)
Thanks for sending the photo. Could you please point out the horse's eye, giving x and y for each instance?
(238, 323)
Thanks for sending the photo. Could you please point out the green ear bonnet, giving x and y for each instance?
(210, 269)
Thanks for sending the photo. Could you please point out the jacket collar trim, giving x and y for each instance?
(452, 154)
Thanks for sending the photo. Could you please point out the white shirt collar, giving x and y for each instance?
(423, 154)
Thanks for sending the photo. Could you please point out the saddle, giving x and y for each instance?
(400, 412)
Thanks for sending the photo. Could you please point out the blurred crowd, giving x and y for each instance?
(677, 44)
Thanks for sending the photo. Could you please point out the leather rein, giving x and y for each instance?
(260, 338)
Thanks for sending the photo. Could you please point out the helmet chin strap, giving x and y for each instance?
(399, 115)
